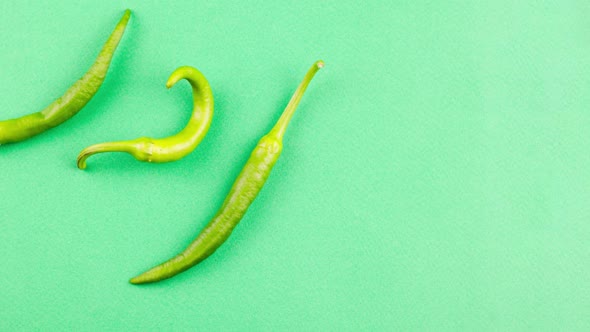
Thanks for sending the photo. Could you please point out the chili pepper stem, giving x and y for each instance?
(101, 148)
(281, 126)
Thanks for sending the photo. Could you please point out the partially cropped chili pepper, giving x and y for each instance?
(68, 105)
(242, 194)
(173, 147)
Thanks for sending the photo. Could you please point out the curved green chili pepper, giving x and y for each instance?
(68, 105)
(242, 194)
(174, 147)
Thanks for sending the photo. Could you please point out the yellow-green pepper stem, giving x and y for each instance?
(281, 126)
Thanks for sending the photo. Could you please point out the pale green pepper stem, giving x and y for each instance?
(104, 147)
(281, 126)
(243, 192)
(68, 105)
(174, 147)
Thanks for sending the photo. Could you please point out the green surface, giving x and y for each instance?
(435, 176)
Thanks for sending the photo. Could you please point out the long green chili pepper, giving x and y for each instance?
(68, 105)
(173, 147)
(242, 194)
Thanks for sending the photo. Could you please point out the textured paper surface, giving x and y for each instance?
(435, 176)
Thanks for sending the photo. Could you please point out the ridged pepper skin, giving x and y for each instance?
(243, 192)
(74, 99)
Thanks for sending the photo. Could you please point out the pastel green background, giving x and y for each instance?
(435, 176)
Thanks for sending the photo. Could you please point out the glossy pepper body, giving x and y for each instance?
(74, 99)
(161, 150)
(240, 197)
(243, 192)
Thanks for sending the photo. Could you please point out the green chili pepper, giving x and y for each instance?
(173, 147)
(68, 105)
(242, 194)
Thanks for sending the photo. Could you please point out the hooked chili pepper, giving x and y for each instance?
(242, 194)
(174, 147)
(68, 105)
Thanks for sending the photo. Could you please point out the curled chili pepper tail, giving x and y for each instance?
(176, 76)
(173, 147)
(123, 146)
(279, 129)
